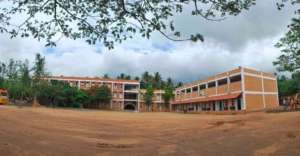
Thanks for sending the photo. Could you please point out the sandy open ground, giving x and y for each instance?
(45, 131)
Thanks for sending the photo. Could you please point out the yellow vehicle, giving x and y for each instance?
(3, 97)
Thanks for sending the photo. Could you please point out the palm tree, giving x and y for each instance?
(170, 82)
(146, 79)
(106, 76)
(157, 81)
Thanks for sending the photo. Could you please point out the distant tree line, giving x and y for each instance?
(289, 85)
(26, 84)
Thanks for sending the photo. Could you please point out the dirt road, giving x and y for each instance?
(59, 132)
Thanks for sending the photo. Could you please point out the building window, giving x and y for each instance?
(211, 84)
(222, 82)
(195, 89)
(188, 90)
(235, 78)
(202, 86)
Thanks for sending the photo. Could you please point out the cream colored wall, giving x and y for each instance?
(270, 85)
(271, 101)
(254, 102)
(252, 83)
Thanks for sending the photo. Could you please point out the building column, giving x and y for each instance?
(243, 89)
(112, 92)
(78, 84)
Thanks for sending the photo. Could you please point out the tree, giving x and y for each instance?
(109, 21)
(121, 76)
(39, 73)
(100, 96)
(179, 84)
(2, 73)
(148, 96)
(60, 94)
(137, 78)
(25, 73)
(157, 80)
(39, 67)
(106, 76)
(288, 86)
(290, 44)
(168, 95)
(12, 69)
(124, 77)
(170, 83)
(289, 60)
(146, 80)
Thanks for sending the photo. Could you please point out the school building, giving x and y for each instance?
(240, 89)
(126, 94)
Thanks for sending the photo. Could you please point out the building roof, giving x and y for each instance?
(207, 99)
(91, 78)
(3, 90)
(191, 84)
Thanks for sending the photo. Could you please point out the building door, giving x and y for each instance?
(239, 104)
(221, 106)
(214, 105)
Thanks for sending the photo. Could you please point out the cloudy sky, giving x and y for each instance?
(245, 40)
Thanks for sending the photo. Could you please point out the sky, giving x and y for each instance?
(244, 40)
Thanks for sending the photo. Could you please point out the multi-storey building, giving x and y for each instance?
(125, 93)
(157, 101)
(235, 90)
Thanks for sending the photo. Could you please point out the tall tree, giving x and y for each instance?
(290, 48)
(39, 67)
(109, 21)
(39, 73)
(146, 80)
(157, 81)
(25, 73)
(3, 70)
(106, 76)
(170, 83)
(168, 95)
(149, 96)
(137, 78)
(289, 60)
(12, 69)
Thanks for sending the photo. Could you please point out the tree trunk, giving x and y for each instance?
(35, 102)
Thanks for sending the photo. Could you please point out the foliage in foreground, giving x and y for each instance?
(289, 86)
(108, 21)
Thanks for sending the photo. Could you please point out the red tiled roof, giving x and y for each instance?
(90, 78)
(3, 90)
(206, 99)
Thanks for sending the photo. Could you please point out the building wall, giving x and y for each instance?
(253, 83)
(157, 101)
(259, 89)
(116, 86)
(254, 101)
(182, 94)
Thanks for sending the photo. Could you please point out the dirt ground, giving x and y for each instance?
(59, 132)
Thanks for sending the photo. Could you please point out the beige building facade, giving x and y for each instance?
(125, 93)
(240, 89)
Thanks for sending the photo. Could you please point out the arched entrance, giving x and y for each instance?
(130, 107)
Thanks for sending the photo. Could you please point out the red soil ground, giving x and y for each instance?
(59, 132)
